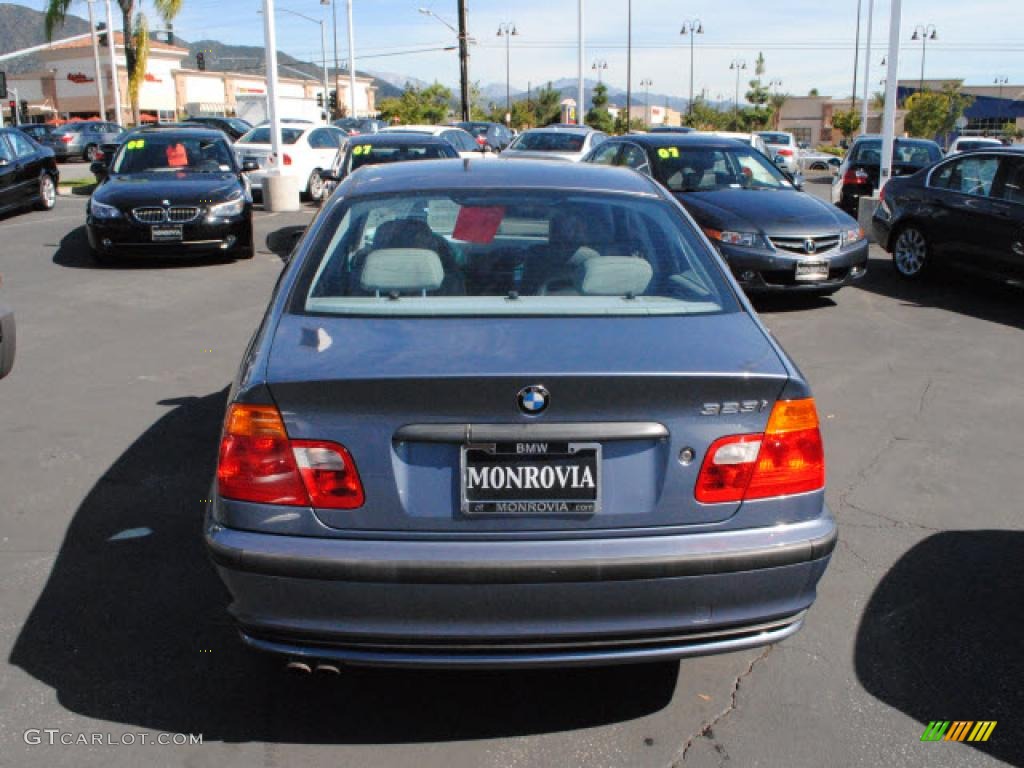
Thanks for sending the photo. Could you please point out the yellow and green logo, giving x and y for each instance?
(958, 730)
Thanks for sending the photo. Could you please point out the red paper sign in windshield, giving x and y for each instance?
(478, 224)
(176, 155)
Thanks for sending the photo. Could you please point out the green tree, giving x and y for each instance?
(813, 92)
(878, 100)
(547, 105)
(931, 113)
(757, 115)
(136, 38)
(599, 117)
(846, 121)
(430, 105)
(704, 117)
(777, 101)
(523, 115)
(1011, 132)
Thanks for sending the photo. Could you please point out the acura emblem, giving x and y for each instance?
(533, 400)
(810, 246)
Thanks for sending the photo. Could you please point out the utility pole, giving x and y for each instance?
(467, 108)
(856, 62)
(867, 71)
(629, 62)
(112, 42)
(579, 83)
(96, 61)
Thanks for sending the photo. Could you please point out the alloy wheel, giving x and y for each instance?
(316, 186)
(911, 252)
(47, 191)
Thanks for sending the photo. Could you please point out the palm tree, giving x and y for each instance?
(777, 100)
(136, 38)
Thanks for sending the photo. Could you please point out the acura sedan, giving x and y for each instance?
(773, 236)
(514, 414)
(172, 193)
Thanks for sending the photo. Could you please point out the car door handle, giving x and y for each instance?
(1018, 248)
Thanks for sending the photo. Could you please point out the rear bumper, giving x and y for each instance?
(521, 603)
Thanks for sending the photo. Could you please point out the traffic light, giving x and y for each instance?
(101, 28)
(201, 61)
(24, 110)
(334, 100)
(3, 85)
(319, 99)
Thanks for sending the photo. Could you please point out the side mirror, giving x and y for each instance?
(798, 181)
(99, 169)
(7, 340)
(250, 164)
(329, 176)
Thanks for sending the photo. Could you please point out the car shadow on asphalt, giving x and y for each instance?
(940, 638)
(73, 252)
(132, 627)
(283, 241)
(948, 289)
(790, 302)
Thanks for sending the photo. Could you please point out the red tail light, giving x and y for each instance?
(353, 132)
(287, 159)
(481, 140)
(855, 176)
(787, 458)
(785, 152)
(881, 194)
(99, 155)
(66, 138)
(259, 463)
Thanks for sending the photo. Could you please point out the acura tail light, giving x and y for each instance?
(66, 138)
(259, 463)
(785, 152)
(855, 176)
(787, 458)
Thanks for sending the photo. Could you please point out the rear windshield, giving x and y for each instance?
(262, 136)
(776, 138)
(477, 129)
(706, 169)
(490, 253)
(549, 141)
(153, 153)
(918, 153)
(373, 154)
(964, 146)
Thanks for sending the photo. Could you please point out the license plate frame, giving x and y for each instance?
(478, 503)
(166, 233)
(811, 271)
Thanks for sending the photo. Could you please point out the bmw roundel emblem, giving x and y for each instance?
(533, 400)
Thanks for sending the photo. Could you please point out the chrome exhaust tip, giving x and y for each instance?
(332, 670)
(298, 667)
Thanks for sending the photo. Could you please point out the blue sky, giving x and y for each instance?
(806, 43)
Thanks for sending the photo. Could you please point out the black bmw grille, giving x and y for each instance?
(182, 213)
(149, 215)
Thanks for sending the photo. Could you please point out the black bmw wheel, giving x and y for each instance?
(910, 253)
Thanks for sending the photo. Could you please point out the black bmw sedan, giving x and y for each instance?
(966, 211)
(28, 172)
(773, 236)
(172, 193)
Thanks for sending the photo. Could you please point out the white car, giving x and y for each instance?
(750, 139)
(463, 141)
(555, 142)
(967, 143)
(307, 150)
(783, 149)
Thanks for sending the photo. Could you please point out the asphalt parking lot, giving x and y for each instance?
(113, 622)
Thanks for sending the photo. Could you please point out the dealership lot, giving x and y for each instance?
(113, 621)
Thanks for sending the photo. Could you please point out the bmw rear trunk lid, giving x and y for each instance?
(626, 396)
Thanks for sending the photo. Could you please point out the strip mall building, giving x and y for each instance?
(65, 86)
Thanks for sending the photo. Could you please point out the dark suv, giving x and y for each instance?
(233, 127)
(493, 135)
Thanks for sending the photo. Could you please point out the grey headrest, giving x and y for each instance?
(402, 269)
(613, 276)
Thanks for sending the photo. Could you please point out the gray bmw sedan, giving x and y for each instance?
(514, 414)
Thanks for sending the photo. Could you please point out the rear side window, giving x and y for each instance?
(23, 146)
(491, 253)
(971, 175)
(550, 141)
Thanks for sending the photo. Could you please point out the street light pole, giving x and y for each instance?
(924, 33)
(738, 65)
(1000, 80)
(323, 45)
(867, 71)
(692, 27)
(508, 29)
(646, 85)
(856, 61)
(351, 62)
(598, 66)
